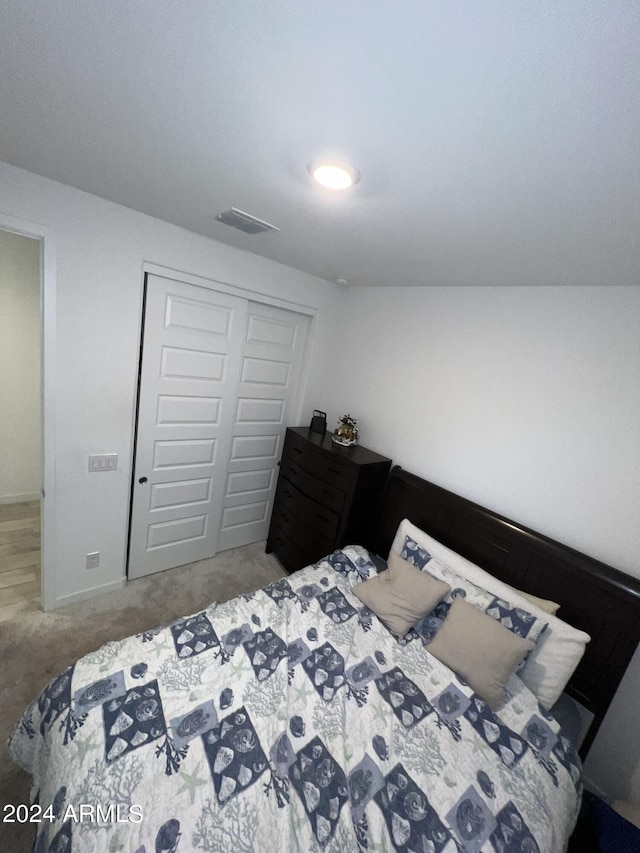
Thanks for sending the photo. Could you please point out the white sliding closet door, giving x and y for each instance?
(272, 354)
(217, 381)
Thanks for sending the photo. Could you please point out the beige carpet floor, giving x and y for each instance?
(36, 646)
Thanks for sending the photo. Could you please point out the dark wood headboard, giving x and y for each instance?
(594, 597)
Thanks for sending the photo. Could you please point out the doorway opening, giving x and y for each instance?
(21, 441)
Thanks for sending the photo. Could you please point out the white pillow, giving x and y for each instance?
(558, 651)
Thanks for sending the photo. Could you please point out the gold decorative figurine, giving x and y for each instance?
(346, 433)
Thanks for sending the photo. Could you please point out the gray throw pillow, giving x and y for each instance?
(479, 649)
(402, 595)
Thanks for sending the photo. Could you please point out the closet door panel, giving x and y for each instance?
(271, 366)
(191, 361)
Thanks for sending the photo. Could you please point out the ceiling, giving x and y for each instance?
(498, 142)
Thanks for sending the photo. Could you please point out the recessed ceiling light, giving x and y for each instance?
(334, 174)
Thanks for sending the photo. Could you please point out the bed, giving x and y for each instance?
(292, 718)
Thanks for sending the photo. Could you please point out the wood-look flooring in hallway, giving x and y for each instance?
(19, 558)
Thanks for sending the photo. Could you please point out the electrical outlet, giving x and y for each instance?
(93, 560)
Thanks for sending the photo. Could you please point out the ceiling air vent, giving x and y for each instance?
(244, 221)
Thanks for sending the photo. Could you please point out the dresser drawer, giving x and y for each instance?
(316, 462)
(305, 538)
(321, 519)
(292, 558)
(326, 494)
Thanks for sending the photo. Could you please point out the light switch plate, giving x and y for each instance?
(103, 462)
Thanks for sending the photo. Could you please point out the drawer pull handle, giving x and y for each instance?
(335, 470)
(297, 450)
(327, 492)
(287, 493)
(323, 518)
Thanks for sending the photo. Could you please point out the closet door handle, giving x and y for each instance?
(142, 480)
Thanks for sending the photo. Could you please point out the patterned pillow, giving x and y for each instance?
(515, 619)
(414, 553)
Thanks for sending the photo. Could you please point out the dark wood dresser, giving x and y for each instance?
(327, 496)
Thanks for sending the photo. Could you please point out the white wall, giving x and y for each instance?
(20, 428)
(101, 248)
(524, 400)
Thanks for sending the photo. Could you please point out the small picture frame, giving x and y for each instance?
(318, 422)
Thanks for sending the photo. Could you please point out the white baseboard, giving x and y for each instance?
(16, 499)
(86, 594)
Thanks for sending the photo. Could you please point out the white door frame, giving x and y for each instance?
(232, 290)
(46, 238)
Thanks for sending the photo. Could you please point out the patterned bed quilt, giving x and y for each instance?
(290, 719)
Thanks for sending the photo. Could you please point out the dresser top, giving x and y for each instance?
(356, 454)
